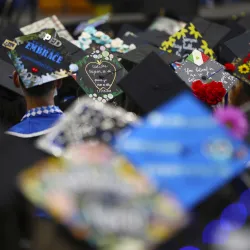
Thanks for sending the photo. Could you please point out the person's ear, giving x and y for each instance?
(16, 80)
(59, 83)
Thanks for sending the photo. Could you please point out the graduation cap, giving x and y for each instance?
(39, 58)
(239, 46)
(10, 33)
(212, 32)
(47, 23)
(183, 138)
(245, 22)
(154, 37)
(185, 41)
(151, 83)
(86, 120)
(98, 75)
(166, 24)
(198, 66)
(242, 68)
(225, 53)
(137, 55)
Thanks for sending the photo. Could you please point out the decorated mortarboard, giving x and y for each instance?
(39, 58)
(152, 83)
(91, 38)
(103, 201)
(212, 32)
(86, 120)
(6, 81)
(199, 67)
(241, 68)
(47, 23)
(137, 55)
(166, 24)
(185, 41)
(99, 73)
(153, 37)
(183, 150)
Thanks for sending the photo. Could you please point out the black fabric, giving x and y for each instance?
(6, 70)
(152, 83)
(154, 37)
(212, 32)
(136, 56)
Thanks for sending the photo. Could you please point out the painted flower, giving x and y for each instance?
(91, 30)
(99, 34)
(234, 119)
(194, 32)
(116, 43)
(105, 38)
(207, 50)
(85, 36)
(132, 46)
(181, 33)
(244, 69)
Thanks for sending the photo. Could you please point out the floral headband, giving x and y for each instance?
(90, 35)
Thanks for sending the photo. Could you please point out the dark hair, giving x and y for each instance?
(40, 90)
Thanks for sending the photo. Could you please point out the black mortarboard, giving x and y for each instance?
(225, 54)
(137, 55)
(10, 33)
(127, 28)
(238, 46)
(245, 22)
(154, 37)
(212, 32)
(152, 83)
(6, 71)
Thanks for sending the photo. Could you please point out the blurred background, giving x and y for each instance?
(74, 11)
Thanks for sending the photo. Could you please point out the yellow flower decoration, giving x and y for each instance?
(169, 43)
(181, 33)
(194, 32)
(207, 50)
(244, 69)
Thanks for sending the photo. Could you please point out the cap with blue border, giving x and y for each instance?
(40, 58)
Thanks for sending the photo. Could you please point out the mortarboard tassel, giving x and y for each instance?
(230, 67)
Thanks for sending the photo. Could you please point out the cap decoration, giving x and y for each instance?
(212, 93)
(233, 118)
(90, 35)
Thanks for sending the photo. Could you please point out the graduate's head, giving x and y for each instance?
(46, 90)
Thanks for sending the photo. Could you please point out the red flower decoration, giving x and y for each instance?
(248, 77)
(212, 93)
(230, 67)
(246, 60)
(248, 55)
